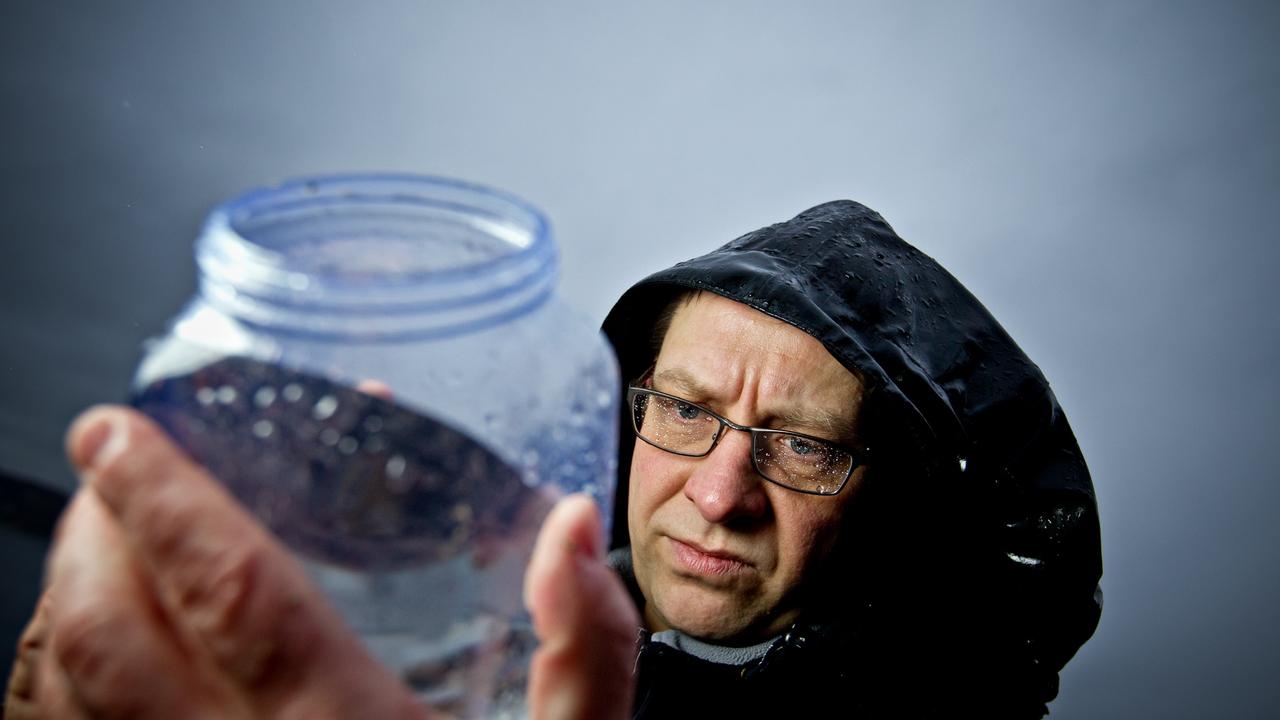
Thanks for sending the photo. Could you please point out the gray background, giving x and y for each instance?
(1102, 175)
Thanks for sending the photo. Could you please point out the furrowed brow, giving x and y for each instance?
(834, 426)
(682, 382)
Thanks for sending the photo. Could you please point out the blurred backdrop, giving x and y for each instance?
(1103, 175)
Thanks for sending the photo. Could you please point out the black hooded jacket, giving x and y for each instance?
(971, 561)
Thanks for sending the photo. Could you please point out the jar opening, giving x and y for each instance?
(377, 245)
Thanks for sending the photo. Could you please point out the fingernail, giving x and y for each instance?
(584, 547)
(95, 443)
(590, 542)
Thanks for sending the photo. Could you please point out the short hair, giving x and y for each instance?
(683, 296)
(680, 298)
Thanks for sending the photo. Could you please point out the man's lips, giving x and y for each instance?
(701, 561)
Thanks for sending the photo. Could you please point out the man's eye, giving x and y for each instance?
(687, 411)
(800, 446)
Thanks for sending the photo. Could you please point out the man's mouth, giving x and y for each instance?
(702, 561)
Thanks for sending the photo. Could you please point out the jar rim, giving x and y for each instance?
(221, 226)
(396, 254)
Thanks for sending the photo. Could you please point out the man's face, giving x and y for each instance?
(719, 552)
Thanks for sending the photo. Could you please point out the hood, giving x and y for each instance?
(982, 500)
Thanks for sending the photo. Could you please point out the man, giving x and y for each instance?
(929, 545)
(849, 493)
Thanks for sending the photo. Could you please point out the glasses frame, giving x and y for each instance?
(858, 456)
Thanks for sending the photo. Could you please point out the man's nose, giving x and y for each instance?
(724, 485)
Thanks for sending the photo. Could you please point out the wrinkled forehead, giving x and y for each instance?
(718, 349)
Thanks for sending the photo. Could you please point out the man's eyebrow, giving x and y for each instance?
(682, 381)
(837, 427)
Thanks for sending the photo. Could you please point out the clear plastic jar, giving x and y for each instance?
(414, 499)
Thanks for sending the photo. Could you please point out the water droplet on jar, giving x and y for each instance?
(263, 429)
(206, 396)
(395, 467)
(348, 445)
(373, 423)
(292, 392)
(329, 436)
(265, 396)
(325, 407)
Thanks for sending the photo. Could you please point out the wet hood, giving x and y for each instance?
(984, 503)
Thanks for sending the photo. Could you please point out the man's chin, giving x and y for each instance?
(715, 622)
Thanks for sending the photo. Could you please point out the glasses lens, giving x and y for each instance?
(673, 425)
(802, 463)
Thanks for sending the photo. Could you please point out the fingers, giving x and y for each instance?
(250, 610)
(376, 388)
(206, 555)
(107, 643)
(584, 619)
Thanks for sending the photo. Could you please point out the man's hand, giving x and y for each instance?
(165, 599)
(585, 621)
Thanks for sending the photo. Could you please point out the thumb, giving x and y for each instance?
(584, 619)
(224, 582)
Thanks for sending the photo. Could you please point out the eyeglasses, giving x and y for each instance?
(793, 460)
